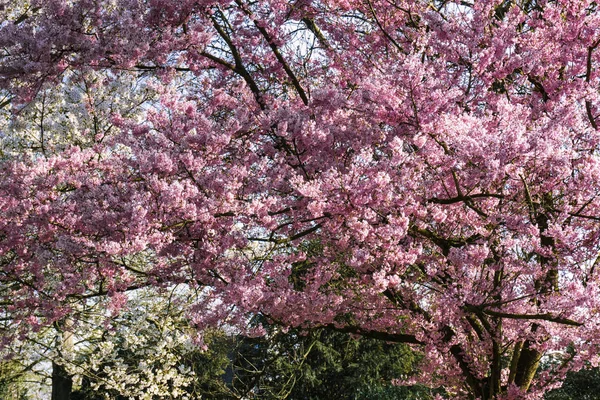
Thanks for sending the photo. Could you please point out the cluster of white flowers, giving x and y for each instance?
(140, 352)
(143, 353)
(77, 111)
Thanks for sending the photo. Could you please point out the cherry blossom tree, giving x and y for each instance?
(423, 172)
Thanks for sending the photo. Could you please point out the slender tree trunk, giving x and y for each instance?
(62, 383)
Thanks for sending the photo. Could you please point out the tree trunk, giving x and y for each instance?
(62, 383)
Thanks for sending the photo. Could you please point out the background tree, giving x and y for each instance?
(280, 365)
(14, 383)
(583, 384)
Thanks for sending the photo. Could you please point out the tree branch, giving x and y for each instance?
(277, 53)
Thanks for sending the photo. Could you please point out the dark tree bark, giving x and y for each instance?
(62, 383)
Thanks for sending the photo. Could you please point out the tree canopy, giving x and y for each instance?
(419, 172)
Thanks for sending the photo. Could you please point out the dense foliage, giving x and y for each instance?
(282, 365)
(420, 172)
(581, 385)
